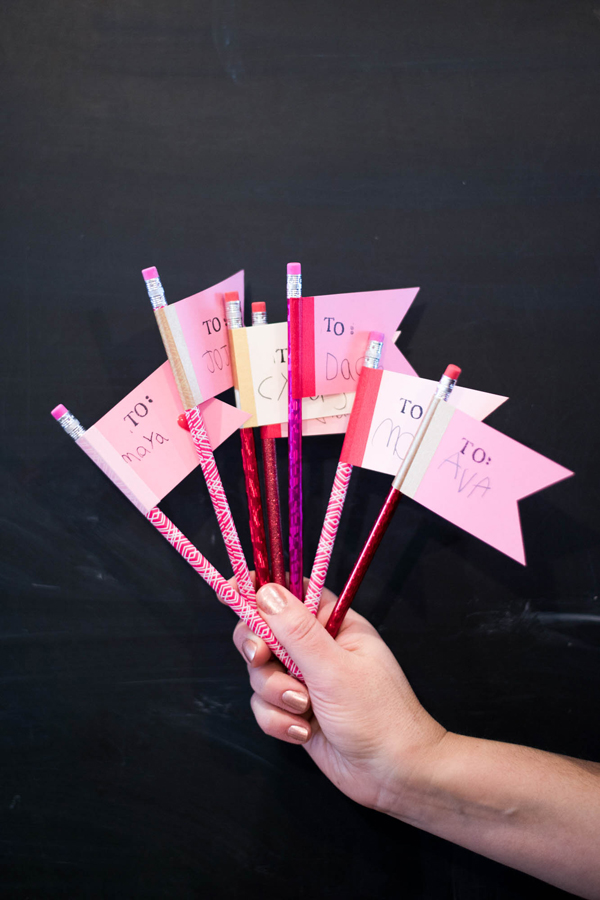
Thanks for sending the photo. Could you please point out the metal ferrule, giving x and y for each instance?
(373, 354)
(156, 293)
(259, 318)
(233, 314)
(71, 425)
(294, 285)
(444, 388)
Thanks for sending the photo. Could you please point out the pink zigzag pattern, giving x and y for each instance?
(328, 535)
(325, 546)
(220, 504)
(222, 588)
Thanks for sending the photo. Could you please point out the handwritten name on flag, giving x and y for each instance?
(195, 332)
(387, 411)
(333, 332)
(140, 445)
(261, 378)
(474, 476)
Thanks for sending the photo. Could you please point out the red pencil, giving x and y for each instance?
(443, 391)
(233, 313)
(259, 317)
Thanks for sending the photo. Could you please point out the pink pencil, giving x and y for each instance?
(294, 290)
(202, 445)
(246, 612)
(341, 481)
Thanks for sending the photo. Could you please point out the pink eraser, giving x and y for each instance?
(377, 336)
(59, 411)
(232, 297)
(150, 273)
(260, 306)
(452, 372)
(294, 269)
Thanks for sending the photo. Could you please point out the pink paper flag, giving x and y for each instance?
(199, 331)
(392, 406)
(141, 443)
(473, 476)
(335, 329)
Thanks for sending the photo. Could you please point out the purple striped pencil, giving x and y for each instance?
(294, 289)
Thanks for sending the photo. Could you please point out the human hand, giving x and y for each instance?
(356, 715)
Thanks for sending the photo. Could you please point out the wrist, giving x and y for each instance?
(411, 763)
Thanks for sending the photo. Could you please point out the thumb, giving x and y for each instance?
(313, 650)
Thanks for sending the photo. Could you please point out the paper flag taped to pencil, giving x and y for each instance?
(334, 329)
(387, 413)
(195, 332)
(142, 448)
(260, 376)
(473, 476)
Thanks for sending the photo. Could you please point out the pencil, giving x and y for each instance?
(341, 481)
(233, 315)
(443, 391)
(202, 444)
(269, 454)
(294, 290)
(224, 591)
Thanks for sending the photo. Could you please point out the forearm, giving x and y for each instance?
(534, 811)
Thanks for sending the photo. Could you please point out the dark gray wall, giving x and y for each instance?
(451, 145)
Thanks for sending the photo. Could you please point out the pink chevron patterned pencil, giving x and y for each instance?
(173, 535)
(202, 444)
(339, 490)
(340, 486)
(294, 290)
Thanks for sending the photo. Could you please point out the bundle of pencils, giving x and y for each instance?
(266, 536)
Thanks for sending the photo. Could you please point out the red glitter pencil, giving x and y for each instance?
(259, 317)
(233, 313)
(443, 391)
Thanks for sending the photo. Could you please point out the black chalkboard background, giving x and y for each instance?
(452, 145)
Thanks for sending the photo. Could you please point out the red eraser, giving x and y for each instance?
(232, 297)
(150, 273)
(294, 269)
(377, 336)
(452, 372)
(260, 306)
(183, 422)
(59, 411)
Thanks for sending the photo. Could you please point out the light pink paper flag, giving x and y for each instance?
(334, 331)
(199, 331)
(473, 476)
(391, 408)
(142, 444)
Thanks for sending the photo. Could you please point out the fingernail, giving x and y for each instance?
(249, 650)
(270, 600)
(296, 700)
(298, 733)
